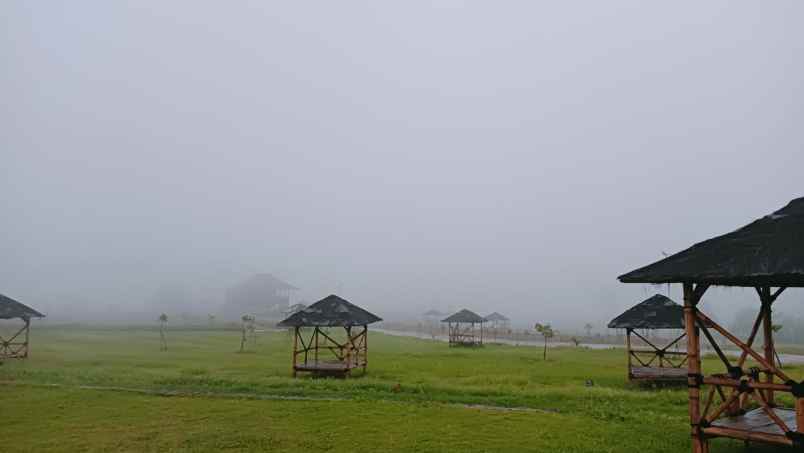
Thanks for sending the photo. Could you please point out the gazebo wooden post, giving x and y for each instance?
(767, 330)
(315, 334)
(27, 337)
(295, 347)
(349, 347)
(365, 347)
(692, 295)
(628, 350)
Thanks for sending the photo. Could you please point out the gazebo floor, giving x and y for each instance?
(326, 367)
(658, 374)
(755, 425)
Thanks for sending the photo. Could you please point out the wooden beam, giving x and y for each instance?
(645, 340)
(752, 436)
(761, 360)
(768, 409)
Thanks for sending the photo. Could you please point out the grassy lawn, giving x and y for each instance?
(104, 389)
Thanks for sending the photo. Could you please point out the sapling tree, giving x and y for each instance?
(163, 319)
(248, 327)
(547, 332)
(776, 328)
(588, 329)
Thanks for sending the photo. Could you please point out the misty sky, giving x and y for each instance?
(508, 156)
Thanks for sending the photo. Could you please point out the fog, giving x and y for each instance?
(511, 157)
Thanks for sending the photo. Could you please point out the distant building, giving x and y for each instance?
(262, 295)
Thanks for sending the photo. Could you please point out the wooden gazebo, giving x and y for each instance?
(497, 323)
(651, 362)
(463, 330)
(741, 401)
(16, 346)
(330, 337)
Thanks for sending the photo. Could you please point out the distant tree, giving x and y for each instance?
(547, 332)
(776, 328)
(211, 319)
(576, 341)
(588, 328)
(163, 319)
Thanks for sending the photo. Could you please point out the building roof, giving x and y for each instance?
(496, 317)
(464, 316)
(10, 308)
(656, 312)
(766, 252)
(329, 312)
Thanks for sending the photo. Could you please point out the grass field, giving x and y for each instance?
(112, 390)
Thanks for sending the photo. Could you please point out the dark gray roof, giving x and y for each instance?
(329, 312)
(766, 252)
(496, 317)
(10, 308)
(464, 316)
(657, 312)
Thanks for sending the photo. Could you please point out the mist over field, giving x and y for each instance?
(513, 158)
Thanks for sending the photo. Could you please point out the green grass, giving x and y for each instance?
(417, 396)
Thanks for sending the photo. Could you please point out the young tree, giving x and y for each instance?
(776, 328)
(588, 328)
(163, 319)
(547, 332)
(211, 319)
(248, 326)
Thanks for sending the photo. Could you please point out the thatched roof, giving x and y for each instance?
(10, 309)
(496, 317)
(766, 252)
(295, 308)
(329, 312)
(464, 315)
(657, 312)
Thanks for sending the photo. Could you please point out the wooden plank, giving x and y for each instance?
(659, 373)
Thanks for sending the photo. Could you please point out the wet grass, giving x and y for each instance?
(414, 398)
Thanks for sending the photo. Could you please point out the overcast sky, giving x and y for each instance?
(508, 156)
